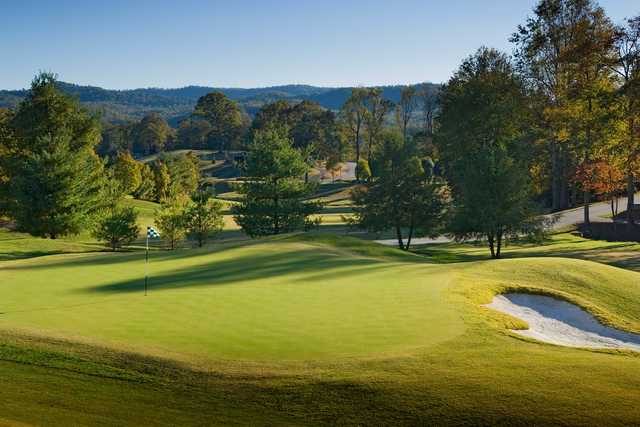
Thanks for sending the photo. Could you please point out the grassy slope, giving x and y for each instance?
(416, 345)
(619, 254)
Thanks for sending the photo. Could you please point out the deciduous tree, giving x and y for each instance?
(482, 139)
(117, 227)
(203, 217)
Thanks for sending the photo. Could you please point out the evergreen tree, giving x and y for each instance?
(274, 192)
(56, 180)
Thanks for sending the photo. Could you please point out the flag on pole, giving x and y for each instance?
(152, 233)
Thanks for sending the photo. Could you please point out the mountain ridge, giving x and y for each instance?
(122, 105)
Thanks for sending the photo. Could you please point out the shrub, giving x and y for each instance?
(118, 228)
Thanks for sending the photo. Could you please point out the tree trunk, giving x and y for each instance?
(410, 235)
(499, 245)
(399, 236)
(587, 198)
(564, 180)
(491, 248)
(630, 196)
(555, 177)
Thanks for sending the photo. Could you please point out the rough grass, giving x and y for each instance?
(309, 329)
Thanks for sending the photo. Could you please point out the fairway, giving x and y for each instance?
(281, 300)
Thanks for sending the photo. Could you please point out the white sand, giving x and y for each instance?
(559, 322)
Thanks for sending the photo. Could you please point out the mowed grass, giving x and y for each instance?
(281, 299)
(305, 330)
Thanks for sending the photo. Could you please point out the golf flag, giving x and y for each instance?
(152, 233)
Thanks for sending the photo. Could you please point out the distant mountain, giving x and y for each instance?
(117, 106)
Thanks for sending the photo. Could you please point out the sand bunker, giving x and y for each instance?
(559, 322)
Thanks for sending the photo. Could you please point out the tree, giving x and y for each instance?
(184, 171)
(313, 132)
(128, 172)
(376, 109)
(428, 96)
(405, 108)
(224, 117)
(274, 192)
(151, 135)
(311, 128)
(562, 51)
(115, 138)
(333, 166)
(482, 139)
(162, 180)
(193, 133)
(118, 227)
(6, 143)
(403, 197)
(363, 171)
(352, 115)
(171, 220)
(56, 181)
(203, 217)
(271, 115)
(604, 178)
(147, 188)
(591, 85)
(627, 66)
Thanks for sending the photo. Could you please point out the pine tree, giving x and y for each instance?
(275, 190)
(56, 180)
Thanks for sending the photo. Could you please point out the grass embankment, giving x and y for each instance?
(305, 330)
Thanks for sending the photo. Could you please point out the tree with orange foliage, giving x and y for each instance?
(604, 178)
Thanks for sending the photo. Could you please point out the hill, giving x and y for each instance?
(118, 106)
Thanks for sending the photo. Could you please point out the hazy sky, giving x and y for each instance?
(242, 43)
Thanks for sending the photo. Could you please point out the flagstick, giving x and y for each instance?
(146, 266)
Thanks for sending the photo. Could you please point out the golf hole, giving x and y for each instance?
(560, 322)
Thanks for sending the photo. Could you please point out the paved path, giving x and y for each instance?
(597, 211)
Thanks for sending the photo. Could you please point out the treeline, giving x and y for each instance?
(53, 184)
(581, 73)
(556, 123)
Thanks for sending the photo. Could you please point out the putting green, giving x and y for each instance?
(285, 300)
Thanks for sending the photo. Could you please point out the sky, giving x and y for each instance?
(124, 44)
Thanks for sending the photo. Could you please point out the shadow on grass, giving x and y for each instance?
(622, 254)
(104, 258)
(299, 266)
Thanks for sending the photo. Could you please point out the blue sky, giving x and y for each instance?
(249, 43)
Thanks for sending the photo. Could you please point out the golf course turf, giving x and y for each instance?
(304, 329)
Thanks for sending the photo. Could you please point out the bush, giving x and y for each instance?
(170, 219)
(203, 216)
(118, 228)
